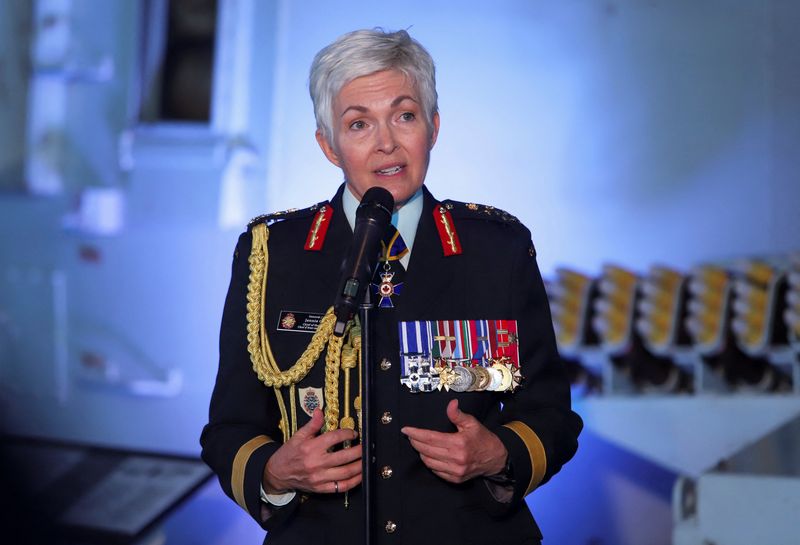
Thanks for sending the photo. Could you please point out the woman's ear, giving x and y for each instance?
(435, 131)
(327, 148)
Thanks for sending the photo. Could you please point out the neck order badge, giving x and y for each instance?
(392, 251)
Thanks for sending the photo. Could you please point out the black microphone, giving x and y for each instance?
(373, 217)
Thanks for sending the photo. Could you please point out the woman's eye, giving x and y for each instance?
(357, 125)
(408, 116)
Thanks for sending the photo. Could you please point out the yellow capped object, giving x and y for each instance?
(658, 338)
(710, 318)
(570, 301)
(619, 276)
(704, 329)
(659, 318)
(664, 300)
(755, 319)
(620, 299)
(758, 271)
(665, 276)
(566, 338)
(706, 336)
(711, 300)
(614, 315)
(713, 276)
(757, 298)
(572, 279)
(748, 336)
(568, 320)
(609, 329)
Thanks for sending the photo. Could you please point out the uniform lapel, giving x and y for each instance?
(340, 228)
(337, 243)
(426, 280)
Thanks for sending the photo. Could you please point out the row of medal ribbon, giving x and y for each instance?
(462, 355)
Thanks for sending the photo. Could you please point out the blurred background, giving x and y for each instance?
(652, 147)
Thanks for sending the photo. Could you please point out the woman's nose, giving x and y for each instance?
(386, 141)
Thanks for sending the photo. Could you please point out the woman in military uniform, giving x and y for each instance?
(473, 405)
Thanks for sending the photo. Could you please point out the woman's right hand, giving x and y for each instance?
(305, 463)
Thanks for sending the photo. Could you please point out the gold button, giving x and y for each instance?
(385, 364)
(386, 472)
(386, 417)
(390, 527)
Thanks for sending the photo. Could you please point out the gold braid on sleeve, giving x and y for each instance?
(258, 345)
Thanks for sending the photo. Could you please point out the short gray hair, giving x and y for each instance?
(364, 52)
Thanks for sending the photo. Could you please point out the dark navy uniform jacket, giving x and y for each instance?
(495, 277)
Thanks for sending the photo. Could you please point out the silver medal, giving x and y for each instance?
(462, 379)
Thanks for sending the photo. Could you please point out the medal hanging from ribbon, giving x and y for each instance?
(483, 350)
(503, 340)
(443, 340)
(393, 250)
(417, 372)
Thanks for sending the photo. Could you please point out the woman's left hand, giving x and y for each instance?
(471, 451)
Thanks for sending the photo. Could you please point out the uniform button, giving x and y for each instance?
(386, 472)
(390, 527)
(385, 364)
(386, 417)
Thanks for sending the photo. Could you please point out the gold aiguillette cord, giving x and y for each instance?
(351, 353)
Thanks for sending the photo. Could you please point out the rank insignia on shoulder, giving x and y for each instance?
(319, 228)
(479, 211)
(310, 399)
(291, 213)
(462, 355)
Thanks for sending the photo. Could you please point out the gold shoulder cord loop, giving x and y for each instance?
(351, 356)
(332, 360)
(261, 355)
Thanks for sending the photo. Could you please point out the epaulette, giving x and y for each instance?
(478, 211)
(322, 212)
(285, 215)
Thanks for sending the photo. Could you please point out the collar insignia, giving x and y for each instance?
(319, 228)
(447, 231)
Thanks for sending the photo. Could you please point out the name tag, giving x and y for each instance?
(300, 322)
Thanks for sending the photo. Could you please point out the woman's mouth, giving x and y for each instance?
(390, 171)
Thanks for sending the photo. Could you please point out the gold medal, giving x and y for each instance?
(482, 379)
(497, 379)
(445, 377)
(507, 377)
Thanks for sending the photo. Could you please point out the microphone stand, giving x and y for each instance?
(373, 217)
(365, 313)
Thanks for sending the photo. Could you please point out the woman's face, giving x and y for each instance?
(380, 135)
